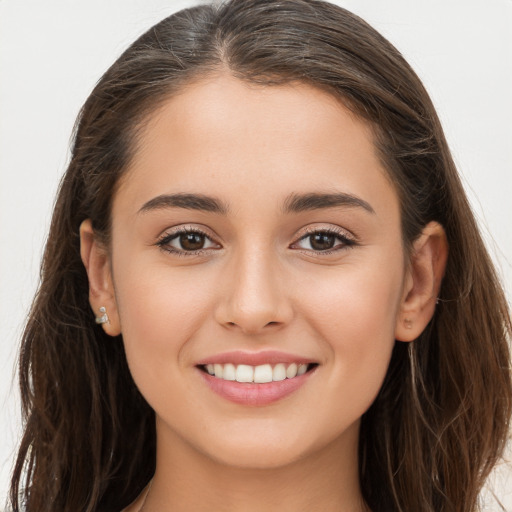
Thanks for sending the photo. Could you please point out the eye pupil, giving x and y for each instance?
(322, 241)
(192, 241)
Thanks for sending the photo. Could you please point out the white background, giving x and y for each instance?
(52, 53)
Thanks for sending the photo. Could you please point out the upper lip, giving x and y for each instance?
(237, 357)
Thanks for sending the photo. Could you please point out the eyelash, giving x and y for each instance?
(346, 241)
(166, 239)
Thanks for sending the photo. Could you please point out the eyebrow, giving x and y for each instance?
(296, 203)
(188, 201)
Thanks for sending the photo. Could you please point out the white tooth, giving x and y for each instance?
(229, 372)
(218, 369)
(209, 369)
(291, 371)
(263, 373)
(301, 370)
(244, 373)
(279, 372)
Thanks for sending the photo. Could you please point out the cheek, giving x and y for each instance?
(355, 299)
(160, 310)
(355, 320)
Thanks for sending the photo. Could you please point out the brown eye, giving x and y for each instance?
(191, 241)
(187, 242)
(322, 241)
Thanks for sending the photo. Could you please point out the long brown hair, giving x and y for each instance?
(441, 418)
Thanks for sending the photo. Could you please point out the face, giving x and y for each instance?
(256, 236)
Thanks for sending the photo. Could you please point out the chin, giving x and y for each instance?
(257, 457)
(275, 449)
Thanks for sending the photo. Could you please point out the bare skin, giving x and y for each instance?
(297, 249)
(302, 486)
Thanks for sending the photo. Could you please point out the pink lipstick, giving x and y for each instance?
(255, 378)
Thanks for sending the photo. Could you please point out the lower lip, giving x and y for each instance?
(247, 393)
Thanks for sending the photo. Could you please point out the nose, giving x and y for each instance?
(254, 296)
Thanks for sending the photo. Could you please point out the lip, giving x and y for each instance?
(237, 357)
(250, 393)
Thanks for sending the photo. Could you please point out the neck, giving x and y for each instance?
(186, 479)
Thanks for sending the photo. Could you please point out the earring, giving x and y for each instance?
(408, 323)
(103, 319)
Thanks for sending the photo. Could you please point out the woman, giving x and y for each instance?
(263, 285)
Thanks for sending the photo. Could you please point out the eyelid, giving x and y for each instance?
(322, 228)
(347, 238)
(172, 233)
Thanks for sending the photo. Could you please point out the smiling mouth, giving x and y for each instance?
(260, 374)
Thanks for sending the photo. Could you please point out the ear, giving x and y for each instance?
(422, 282)
(96, 260)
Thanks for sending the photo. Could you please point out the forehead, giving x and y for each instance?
(235, 138)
